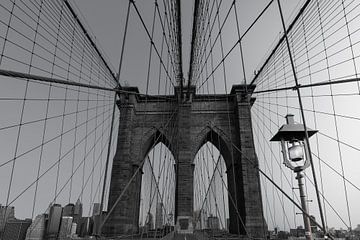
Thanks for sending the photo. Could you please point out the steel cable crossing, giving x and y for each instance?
(53, 43)
(81, 95)
(62, 72)
(310, 50)
(275, 84)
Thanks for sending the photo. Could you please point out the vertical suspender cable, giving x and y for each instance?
(303, 118)
(112, 120)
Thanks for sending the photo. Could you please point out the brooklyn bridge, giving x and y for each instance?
(169, 119)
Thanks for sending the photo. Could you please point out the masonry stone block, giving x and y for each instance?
(184, 126)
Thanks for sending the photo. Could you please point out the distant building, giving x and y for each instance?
(73, 229)
(149, 224)
(200, 219)
(15, 229)
(159, 216)
(357, 229)
(85, 227)
(77, 215)
(197, 219)
(213, 222)
(96, 218)
(297, 232)
(65, 227)
(97, 221)
(313, 225)
(68, 210)
(96, 209)
(6, 213)
(53, 224)
(78, 210)
(36, 231)
(283, 235)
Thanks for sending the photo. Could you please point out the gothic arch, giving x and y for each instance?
(151, 138)
(232, 158)
(218, 138)
(195, 122)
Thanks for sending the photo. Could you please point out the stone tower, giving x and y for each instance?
(222, 119)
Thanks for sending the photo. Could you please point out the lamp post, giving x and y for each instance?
(291, 136)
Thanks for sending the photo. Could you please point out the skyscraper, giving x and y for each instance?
(68, 210)
(78, 215)
(53, 224)
(96, 218)
(85, 226)
(213, 222)
(313, 224)
(73, 228)
(77, 211)
(36, 231)
(149, 224)
(96, 209)
(6, 213)
(159, 215)
(65, 227)
(197, 219)
(15, 229)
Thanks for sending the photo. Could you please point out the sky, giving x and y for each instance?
(105, 22)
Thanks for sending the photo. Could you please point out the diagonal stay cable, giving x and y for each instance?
(54, 164)
(255, 165)
(89, 38)
(344, 143)
(68, 180)
(132, 178)
(46, 142)
(20, 75)
(151, 39)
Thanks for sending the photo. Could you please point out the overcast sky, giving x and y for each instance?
(105, 21)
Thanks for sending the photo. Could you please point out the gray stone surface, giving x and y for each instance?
(224, 120)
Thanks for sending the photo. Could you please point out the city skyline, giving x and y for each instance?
(55, 138)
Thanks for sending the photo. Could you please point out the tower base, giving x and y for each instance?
(184, 225)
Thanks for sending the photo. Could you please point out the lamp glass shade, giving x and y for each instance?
(296, 153)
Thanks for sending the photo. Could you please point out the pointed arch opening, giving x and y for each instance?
(217, 160)
(152, 138)
(211, 210)
(157, 194)
(219, 140)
